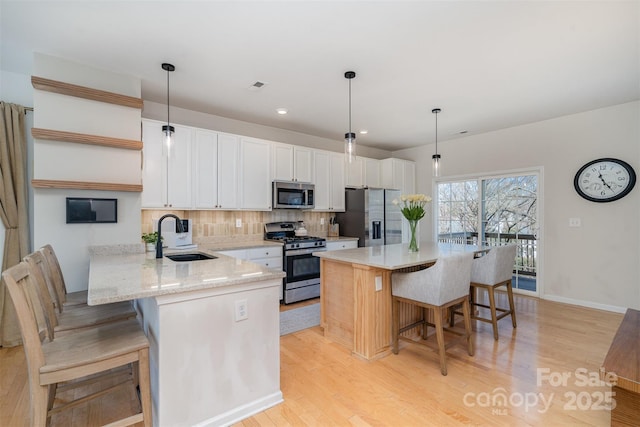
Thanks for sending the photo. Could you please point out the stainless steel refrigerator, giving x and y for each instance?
(371, 216)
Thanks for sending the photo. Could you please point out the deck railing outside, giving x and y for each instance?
(526, 254)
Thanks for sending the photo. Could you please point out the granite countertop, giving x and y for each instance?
(394, 257)
(128, 276)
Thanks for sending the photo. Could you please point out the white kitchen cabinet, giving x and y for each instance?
(292, 163)
(255, 174)
(270, 257)
(372, 173)
(215, 162)
(335, 245)
(401, 175)
(329, 181)
(398, 174)
(166, 171)
(354, 172)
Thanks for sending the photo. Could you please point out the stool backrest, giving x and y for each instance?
(445, 281)
(494, 267)
(22, 289)
(55, 273)
(41, 277)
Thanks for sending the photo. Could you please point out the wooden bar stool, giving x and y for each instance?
(57, 287)
(76, 316)
(444, 285)
(69, 360)
(489, 272)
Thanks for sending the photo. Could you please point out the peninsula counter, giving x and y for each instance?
(355, 292)
(213, 328)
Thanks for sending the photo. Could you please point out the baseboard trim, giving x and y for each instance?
(582, 303)
(244, 411)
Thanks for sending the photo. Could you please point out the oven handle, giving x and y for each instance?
(303, 251)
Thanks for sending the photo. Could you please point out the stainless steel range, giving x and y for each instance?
(302, 269)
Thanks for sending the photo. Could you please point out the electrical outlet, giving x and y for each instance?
(321, 221)
(575, 222)
(238, 223)
(242, 310)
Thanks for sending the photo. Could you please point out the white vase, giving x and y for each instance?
(151, 247)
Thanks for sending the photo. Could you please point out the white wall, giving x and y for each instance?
(181, 116)
(81, 162)
(597, 264)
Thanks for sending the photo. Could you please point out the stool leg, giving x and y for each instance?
(512, 306)
(466, 310)
(492, 305)
(440, 336)
(425, 327)
(395, 324)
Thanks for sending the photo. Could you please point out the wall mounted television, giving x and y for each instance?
(82, 210)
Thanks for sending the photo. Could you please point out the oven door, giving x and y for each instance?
(301, 266)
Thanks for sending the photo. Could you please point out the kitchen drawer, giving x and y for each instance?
(274, 263)
(268, 252)
(235, 253)
(342, 244)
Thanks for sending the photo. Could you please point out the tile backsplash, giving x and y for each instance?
(220, 226)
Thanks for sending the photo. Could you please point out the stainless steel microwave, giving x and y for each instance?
(293, 195)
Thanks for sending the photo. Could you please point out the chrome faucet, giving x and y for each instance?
(159, 241)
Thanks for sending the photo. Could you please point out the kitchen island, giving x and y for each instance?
(213, 328)
(355, 292)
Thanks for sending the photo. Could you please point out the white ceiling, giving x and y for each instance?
(487, 64)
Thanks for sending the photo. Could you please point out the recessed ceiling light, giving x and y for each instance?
(363, 131)
(463, 132)
(282, 111)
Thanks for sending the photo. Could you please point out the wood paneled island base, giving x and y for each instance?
(355, 293)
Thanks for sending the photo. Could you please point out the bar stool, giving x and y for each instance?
(76, 316)
(444, 285)
(489, 272)
(74, 359)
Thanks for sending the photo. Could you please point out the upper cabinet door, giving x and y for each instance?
(228, 159)
(337, 182)
(255, 179)
(166, 174)
(303, 164)
(372, 173)
(322, 180)
(282, 156)
(179, 168)
(154, 183)
(205, 162)
(354, 176)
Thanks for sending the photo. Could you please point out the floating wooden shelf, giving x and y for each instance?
(85, 185)
(85, 92)
(81, 138)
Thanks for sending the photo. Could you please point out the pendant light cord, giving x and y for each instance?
(168, 121)
(350, 107)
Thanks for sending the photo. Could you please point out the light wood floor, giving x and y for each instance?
(323, 385)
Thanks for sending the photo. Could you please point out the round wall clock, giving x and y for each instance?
(604, 180)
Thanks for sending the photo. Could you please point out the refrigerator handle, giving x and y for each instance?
(377, 230)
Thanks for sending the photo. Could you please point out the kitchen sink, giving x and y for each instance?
(190, 257)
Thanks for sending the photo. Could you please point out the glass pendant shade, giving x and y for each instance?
(436, 164)
(350, 146)
(168, 130)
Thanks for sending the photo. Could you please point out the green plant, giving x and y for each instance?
(150, 237)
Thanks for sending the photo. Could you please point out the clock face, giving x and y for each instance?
(604, 180)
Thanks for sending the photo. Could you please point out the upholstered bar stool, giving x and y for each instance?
(489, 272)
(436, 288)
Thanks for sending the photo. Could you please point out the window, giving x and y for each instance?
(494, 211)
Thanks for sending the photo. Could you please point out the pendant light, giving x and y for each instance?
(436, 157)
(350, 138)
(167, 129)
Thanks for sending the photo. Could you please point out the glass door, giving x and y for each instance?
(494, 210)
